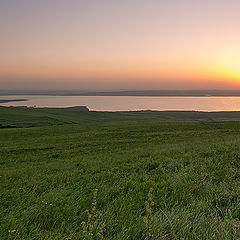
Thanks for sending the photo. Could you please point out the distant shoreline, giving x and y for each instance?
(142, 111)
(145, 93)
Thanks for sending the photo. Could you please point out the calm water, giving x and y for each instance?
(117, 103)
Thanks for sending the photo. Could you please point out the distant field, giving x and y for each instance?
(48, 175)
(29, 117)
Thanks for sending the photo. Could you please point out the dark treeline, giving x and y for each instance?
(184, 93)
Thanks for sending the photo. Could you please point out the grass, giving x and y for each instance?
(48, 175)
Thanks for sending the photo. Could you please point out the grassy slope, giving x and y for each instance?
(26, 117)
(193, 169)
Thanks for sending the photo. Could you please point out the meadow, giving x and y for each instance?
(154, 179)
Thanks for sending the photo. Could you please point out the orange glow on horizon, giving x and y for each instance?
(148, 43)
(139, 71)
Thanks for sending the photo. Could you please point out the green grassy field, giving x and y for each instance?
(49, 173)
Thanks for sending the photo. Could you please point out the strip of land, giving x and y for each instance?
(30, 117)
(159, 93)
(12, 100)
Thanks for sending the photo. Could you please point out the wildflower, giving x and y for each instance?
(92, 228)
(148, 219)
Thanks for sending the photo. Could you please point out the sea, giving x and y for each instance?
(129, 103)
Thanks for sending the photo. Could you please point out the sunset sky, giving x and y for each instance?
(119, 44)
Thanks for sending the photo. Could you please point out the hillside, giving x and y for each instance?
(48, 176)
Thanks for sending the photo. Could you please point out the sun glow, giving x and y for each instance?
(229, 69)
(123, 44)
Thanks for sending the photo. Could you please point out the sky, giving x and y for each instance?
(119, 44)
